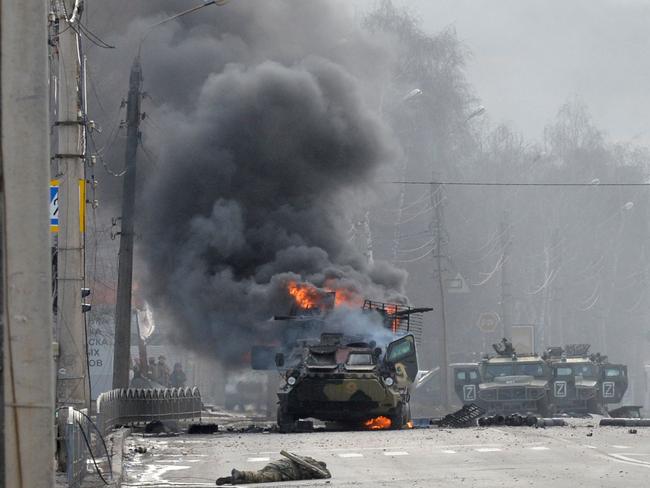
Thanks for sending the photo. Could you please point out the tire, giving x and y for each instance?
(593, 406)
(543, 408)
(406, 414)
(397, 419)
(286, 422)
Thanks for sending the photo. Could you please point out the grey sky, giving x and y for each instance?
(530, 56)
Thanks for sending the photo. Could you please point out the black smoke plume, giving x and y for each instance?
(266, 144)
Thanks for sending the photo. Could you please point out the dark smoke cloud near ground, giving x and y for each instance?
(266, 147)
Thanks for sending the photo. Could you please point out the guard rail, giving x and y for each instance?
(136, 405)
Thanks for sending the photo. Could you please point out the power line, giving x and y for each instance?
(484, 183)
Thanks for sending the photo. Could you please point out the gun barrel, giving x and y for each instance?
(411, 311)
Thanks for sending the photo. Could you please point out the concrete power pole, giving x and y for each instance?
(122, 348)
(506, 292)
(69, 163)
(558, 292)
(439, 234)
(28, 372)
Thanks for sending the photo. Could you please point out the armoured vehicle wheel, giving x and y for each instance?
(400, 417)
(593, 406)
(544, 408)
(286, 422)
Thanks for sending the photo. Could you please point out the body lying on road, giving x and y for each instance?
(293, 467)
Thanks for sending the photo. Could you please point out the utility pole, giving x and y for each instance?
(122, 343)
(122, 347)
(26, 286)
(558, 292)
(438, 229)
(506, 293)
(69, 164)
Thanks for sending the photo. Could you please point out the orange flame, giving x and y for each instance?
(378, 423)
(344, 296)
(409, 424)
(306, 295)
(394, 325)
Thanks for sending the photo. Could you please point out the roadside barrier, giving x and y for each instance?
(137, 405)
(74, 428)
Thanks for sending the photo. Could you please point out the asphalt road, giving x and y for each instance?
(555, 457)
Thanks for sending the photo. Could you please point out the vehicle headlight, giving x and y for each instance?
(389, 381)
(291, 380)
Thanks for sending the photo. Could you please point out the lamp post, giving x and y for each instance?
(122, 344)
(437, 227)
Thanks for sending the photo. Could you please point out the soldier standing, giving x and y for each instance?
(152, 370)
(292, 468)
(162, 370)
(177, 378)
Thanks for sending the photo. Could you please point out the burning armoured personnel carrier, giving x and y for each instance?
(359, 377)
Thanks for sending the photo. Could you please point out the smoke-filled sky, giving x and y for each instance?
(266, 141)
(268, 123)
(529, 57)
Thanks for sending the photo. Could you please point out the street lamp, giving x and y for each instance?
(122, 343)
(437, 227)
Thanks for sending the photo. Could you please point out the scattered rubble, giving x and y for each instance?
(633, 422)
(465, 417)
(203, 429)
(160, 427)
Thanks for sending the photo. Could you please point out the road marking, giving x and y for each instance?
(449, 451)
(539, 448)
(350, 455)
(629, 460)
(590, 447)
(258, 460)
(487, 449)
(410, 446)
(396, 453)
(621, 447)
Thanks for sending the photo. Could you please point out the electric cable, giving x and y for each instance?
(110, 464)
(90, 451)
(514, 184)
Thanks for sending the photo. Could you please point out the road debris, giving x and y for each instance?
(202, 429)
(625, 422)
(465, 417)
(516, 420)
(292, 468)
(160, 427)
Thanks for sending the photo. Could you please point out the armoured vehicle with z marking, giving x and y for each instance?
(562, 380)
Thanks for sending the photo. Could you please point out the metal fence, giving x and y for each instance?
(75, 445)
(136, 405)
